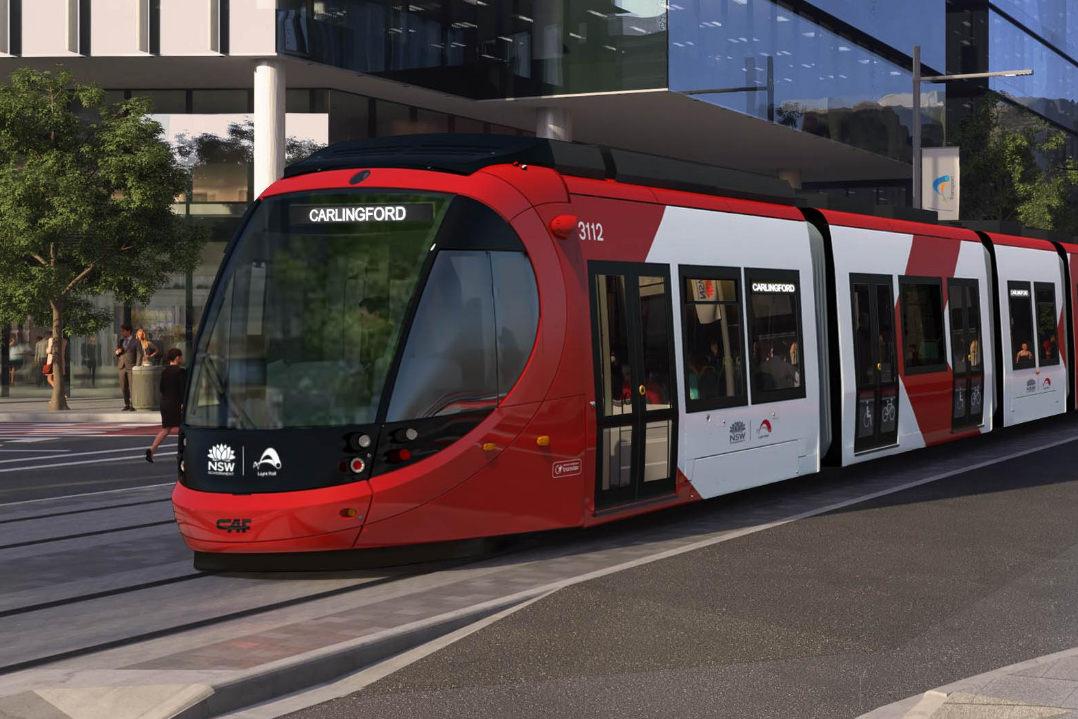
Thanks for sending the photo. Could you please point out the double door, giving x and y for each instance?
(967, 358)
(635, 382)
(873, 311)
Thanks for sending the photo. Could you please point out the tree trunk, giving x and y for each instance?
(58, 401)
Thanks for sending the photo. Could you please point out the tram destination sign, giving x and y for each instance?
(361, 214)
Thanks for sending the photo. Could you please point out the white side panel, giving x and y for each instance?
(119, 27)
(252, 27)
(726, 450)
(190, 27)
(50, 28)
(1035, 392)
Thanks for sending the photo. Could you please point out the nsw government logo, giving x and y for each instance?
(738, 432)
(268, 464)
(222, 461)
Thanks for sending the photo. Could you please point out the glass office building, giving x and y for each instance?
(822, 80)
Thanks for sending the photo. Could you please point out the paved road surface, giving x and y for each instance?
(826, 617)
(39, 461)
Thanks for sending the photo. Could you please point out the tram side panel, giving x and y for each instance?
(910, 311)
(1033, 337)
(746, 346)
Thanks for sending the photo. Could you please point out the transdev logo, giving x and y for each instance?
(222, 461)
(944, 187)
(268, 464)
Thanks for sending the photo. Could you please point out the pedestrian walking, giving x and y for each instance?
(127, 358)
(173, 384)
(40, 350)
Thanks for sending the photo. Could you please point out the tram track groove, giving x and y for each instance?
(83, 511)
(29, 608)
(81, 535)
(198, 624)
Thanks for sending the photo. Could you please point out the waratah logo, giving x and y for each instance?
(222, 460)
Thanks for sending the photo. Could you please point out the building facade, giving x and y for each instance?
(818, 92)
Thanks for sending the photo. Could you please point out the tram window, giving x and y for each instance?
(1021, 311)
(306, 321)
(713, 338)
(922, 324)
(1047, 342)
(472, 334)
(774, 305)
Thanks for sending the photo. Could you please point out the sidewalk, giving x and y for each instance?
(1039, 688)
(83, 409)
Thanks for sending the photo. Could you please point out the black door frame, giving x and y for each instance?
(966, 420)
(639, 418)
(878, 438)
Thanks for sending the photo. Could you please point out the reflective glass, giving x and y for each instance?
(1051, 91)
(449, 364)
(1054, 20)
(305, 323)
(899, 24)
(764, 60)
(922, 325)
(485, 49)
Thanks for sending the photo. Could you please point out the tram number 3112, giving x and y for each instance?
(592, 231)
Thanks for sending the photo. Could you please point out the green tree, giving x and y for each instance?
(1015, 167)
(85, 206)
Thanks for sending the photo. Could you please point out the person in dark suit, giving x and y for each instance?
(127, 358)
(173, 385)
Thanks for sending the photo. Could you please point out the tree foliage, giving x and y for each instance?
(235, 148)
(85, 205)
(1015, 167)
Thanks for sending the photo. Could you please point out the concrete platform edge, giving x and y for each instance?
(303, 672)
(78, 416)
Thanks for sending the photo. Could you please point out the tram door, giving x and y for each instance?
(635, 382)
(873, 311)
(967, 359)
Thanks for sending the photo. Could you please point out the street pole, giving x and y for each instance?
(917, 127)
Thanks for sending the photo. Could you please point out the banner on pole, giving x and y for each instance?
(940, 183)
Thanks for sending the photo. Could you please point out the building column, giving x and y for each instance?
(554, 123)
(269, 124)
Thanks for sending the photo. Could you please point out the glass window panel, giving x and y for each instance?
(349, 116)
(713, 346)
(220, 101)
(616, 363)
(657, 438)
(393, 119)
(1021, 311)
(1054, 20)
(516, 306)
(1047, 323)
(800, 74)
(775, 333)
(1052, 91)
(307, 323)
(450, 363)
(618, 457)
(164, 101)
(885, 314)
(655, 327)
(922, 325)
(862, 334)
(486, 49)
(467, 124)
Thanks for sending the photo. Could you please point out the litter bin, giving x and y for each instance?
(146, 387)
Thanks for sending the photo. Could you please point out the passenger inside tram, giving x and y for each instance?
(1024, 358)
(703, 378)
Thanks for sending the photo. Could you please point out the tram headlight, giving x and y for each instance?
(360, 441)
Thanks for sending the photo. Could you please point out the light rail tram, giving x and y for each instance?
(448, 337)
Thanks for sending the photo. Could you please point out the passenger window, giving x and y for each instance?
(775, 333)
(1047, 319)
(1021, 310)
(922, 324)
(472, 334)
(712, 333)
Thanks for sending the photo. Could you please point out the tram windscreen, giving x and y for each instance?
(304, 323)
